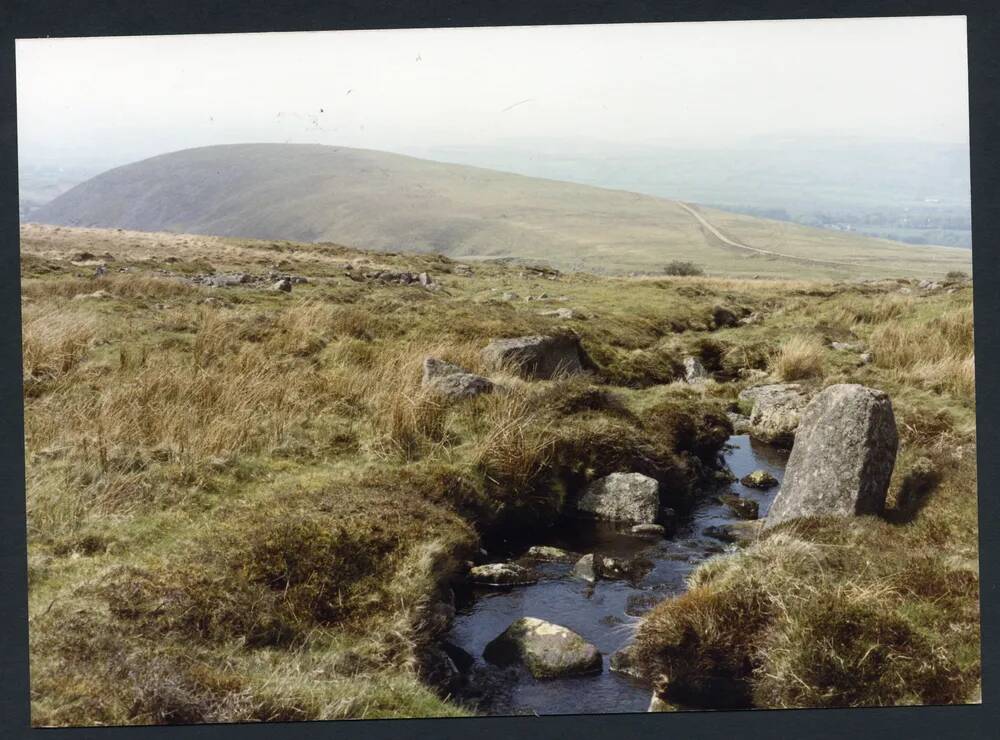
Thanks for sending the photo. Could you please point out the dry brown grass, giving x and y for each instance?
(799, 358)
(937, 354)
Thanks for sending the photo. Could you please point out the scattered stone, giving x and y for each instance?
(866, 358)
(624, 497)
(502, 574)
(648, 530)
(508, 296)
(96, 295)
(560, 313)
(536, 356)
(284, 285)
(586, 569)
(547, 650)
(744, 508)
(929, 285)
(624, 662)
(453, 381)
(753, 318)
(776, 410)
(694, 371)
(847, 346)
(544, 552)
(843, 456)
(759, 479)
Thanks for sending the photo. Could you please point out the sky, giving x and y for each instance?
(116, 100)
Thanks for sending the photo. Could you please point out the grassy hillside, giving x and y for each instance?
(377, 200)
(243, 505)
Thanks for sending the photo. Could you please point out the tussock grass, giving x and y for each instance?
(799, 358)
(246, 509)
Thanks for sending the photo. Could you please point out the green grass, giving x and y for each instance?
(198, 459)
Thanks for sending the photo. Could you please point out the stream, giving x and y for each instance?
(605, 613)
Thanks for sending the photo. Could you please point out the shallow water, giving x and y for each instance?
(604, 613)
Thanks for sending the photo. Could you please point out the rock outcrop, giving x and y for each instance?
(622, 497)
(843, 456)
(536, 357)
(776, 410)
(547, 650)
(453, 381)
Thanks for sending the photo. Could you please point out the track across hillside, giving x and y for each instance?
(731, 243)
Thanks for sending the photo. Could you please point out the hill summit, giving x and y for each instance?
(390, 202)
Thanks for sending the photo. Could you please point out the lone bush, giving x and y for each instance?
(679, 267)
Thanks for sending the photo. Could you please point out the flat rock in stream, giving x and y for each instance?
(554, 554)
(594, 567)
(759, 479)
(547, 650)
(502, 574)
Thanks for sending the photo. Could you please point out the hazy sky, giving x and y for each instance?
(120, 99)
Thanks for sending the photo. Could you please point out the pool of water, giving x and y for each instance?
(605, 613)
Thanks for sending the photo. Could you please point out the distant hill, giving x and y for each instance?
(377, 200)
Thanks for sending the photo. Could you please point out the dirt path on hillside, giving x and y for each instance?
(729, 242)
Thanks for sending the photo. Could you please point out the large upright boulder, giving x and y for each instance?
(843, 456)
(622, 497)
(776, 411)
(536, 356)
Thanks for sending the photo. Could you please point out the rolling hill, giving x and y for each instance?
(377, 200)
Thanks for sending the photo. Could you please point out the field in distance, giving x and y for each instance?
(389, 202)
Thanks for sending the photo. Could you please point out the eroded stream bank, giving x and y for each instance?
(603, 613)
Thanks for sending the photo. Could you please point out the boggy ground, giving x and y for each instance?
(243, 506)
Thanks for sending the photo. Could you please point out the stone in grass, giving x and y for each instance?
(502, 574)
(694, 371)
(744, 508)
(545, 552)
(536, 357)
(547, 650)
(842, 460)
(453, 381)
(759, 479)
(625, 497)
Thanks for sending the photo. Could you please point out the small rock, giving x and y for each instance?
(744, 508)
(776, 409)
(544, 552)
(866, 358)
(560, 313)
(759, 479)
(846, 346)
(453, 381)
(508, 296)
(694, 371)
(502, 574)
(586, 569)
(547, 650)
(741, 423)
(96, 295)
(623, 662)
(284, 285)
(648, 530)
